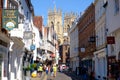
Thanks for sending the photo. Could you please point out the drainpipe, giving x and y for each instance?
(106, 30)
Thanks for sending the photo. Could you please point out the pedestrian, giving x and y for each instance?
(40, 70)
(118, 76)
(84, 73)
(92, 76)
(51, 70)
(61, 68)
(46, 70)
(55, 70)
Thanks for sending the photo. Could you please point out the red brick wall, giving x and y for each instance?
(38, 22)
(86, 28)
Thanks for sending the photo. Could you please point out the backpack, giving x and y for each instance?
(51, 69)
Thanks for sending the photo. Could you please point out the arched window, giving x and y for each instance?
(52, 26)
(58, 26)
(59, 42)
(68, 28)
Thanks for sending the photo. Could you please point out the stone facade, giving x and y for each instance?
(55, 18)
(68, 21)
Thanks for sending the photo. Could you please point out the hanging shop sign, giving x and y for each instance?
(28, 35)
(32, 47)
(110, 40)
(82, 49)
(91, 39)
(10, 18)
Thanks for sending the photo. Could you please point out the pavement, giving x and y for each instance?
(43, 77)
(60, 76)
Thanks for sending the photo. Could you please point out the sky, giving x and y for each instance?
(41, 7)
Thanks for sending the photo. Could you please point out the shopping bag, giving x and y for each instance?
(34, 74)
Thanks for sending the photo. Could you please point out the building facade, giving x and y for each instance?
(55, 18)
(68, 21)
(86, 37)
(100, 29)
(18, 38)
(113, 26)
(38, 22)
(74, 54)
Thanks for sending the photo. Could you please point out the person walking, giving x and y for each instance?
(61, 68)
(47, 69)
(40, 70)
(55, 70)
(51, 70)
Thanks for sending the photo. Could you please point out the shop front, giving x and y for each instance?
(113, 67)
(100, 64)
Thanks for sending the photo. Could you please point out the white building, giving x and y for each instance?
(113, 25)
(100, 53)
(74, 58)
(18, 38)
(36, 41)
(50, 45)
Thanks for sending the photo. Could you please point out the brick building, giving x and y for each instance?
(86, 32)
(38, 22)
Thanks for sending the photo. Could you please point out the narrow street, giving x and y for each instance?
(73, 39)
(65, 76)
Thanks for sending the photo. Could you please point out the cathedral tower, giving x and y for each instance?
(68, 20)
(55, 18)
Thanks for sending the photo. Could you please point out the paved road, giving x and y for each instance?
(60, 76)
(64, 76)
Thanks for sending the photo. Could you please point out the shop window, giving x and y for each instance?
(113, 67)
(112, 48)
(116, 6)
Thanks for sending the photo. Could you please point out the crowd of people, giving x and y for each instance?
(48, 69)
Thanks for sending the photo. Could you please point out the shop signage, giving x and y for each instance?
(91, 39)
(110, 40)
(32, 47)
(28, 35)
(10, 18)
(82, 49)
